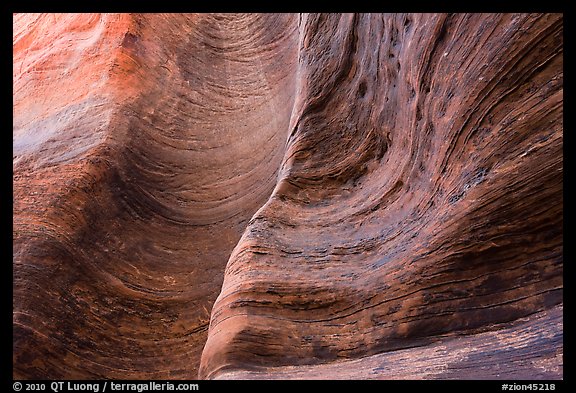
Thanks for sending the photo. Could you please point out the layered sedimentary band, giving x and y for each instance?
(143, 144)
(288, 196)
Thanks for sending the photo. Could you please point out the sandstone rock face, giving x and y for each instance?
(142, 146)
(288, 196)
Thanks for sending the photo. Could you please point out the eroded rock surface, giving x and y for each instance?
(371, 196)
(143, 145)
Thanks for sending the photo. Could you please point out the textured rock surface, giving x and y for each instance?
(529, 343)
(374, 196)
(142, 146)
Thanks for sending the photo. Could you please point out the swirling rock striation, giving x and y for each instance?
(420, 197)
(372, 196)
(142, 146)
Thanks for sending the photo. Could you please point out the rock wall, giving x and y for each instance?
(288, 196)
(142, 146)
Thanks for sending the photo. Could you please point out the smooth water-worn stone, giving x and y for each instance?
(288, 196)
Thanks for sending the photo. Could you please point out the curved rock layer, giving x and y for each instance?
(420, 199)
(386, 190)
(533, 341)
(142, 146)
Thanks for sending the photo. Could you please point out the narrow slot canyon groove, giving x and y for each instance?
(262, 196)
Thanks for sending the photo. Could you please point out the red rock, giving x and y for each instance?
(143, 145)
(373, 196)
